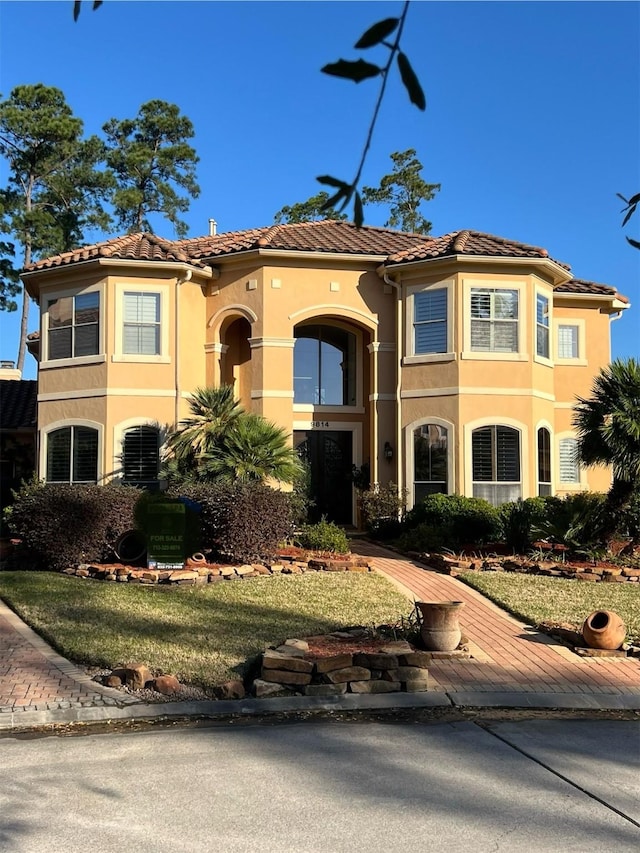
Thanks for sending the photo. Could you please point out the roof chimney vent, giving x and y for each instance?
(213, 228)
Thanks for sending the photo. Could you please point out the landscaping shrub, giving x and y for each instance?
(425, 538)
(323, 536)
(519, 519)
(456, 520)
(576, 521)
(63, 525)
(382, 510)
(241, 522)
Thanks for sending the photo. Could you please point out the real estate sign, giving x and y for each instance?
(166, 534)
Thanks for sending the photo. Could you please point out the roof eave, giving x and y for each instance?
(558, 273)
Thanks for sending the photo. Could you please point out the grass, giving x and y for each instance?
(535, 598)
(202, 634)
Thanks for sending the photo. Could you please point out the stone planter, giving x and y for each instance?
(439, 630)
(603, 629)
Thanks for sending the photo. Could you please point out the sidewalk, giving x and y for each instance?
(512, 666)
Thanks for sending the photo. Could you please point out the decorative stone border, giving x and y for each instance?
(203, 573)
(522, 565)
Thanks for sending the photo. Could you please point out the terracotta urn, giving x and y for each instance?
(440, 630)
(604, 629)
(197, 559)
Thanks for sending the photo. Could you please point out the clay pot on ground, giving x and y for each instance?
(440, 630)
(603, 629)
(195, 560)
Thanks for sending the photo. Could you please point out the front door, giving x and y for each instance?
(329, 455)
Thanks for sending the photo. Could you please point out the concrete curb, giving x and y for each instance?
(221, 709)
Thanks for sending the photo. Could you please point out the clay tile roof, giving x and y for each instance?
(468, 243)
(579, 285)
(131, 247)
(327, 235)
(18, 403)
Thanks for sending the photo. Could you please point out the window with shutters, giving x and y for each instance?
(569, 467)
(141, 317)
(140, 456)
(73, 326)
(430, 450)
(430, 321)
(544, 462)
(568, 341)
(72, 455)
(496, 464)
(542, 326)
(494, 320)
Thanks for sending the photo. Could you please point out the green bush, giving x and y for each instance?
(323, 536)
(457, 520)
(382, 510)
(63, 525)
(241, 522)
(424, 538)
(576, 520)
(519, 519)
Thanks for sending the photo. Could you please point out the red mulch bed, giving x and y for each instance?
(325, 646)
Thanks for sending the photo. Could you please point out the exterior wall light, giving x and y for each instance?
(388, 451)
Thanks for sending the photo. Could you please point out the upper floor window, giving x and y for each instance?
(542, 326)
(72, 455)
(324, 366)
(494, 320)
(569, 466)
(496, 464)
(544, 462)
(140, 456)
(430, 321)
(568, 341)
(73, 326)
(141, 317)
(430, 446)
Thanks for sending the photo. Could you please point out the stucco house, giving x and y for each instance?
(446, 364)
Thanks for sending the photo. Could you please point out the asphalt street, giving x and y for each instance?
(330, 787)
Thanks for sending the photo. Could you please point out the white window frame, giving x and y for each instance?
(133, 286)
(358, 408)
(525, 456)
(580, 359)
(409, 453)
(96, 358)
(521, 322)
(411, 356)
(568, 485)
(119, 431)
(541, 358)
(63, 424)
(544, 425)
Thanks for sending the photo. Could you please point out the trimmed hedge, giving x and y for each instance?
(63, 525)
(241, 522)
(451, 521)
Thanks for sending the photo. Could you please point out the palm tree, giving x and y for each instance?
(253, 449)
(608, 429)
(213, 412)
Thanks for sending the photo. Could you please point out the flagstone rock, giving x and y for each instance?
(349, 673)
(137, 675)
(281, 660)
(375, 661)
(375, 686)
(167, 685)
(325, 689)
(282, 676)
(334, 662)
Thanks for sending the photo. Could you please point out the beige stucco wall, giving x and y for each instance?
(240, 327)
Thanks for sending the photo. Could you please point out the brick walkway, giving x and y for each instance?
(35, 678)
(508, 656)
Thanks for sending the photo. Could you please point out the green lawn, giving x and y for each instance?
(535, 598)
(202, 634)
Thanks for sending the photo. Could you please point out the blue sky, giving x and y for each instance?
(532, 123)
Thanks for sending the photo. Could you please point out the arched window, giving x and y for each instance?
(140, 456)
(544, 462)
(496, 464)
(324, 366)
(72, 455)
(430, 447)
